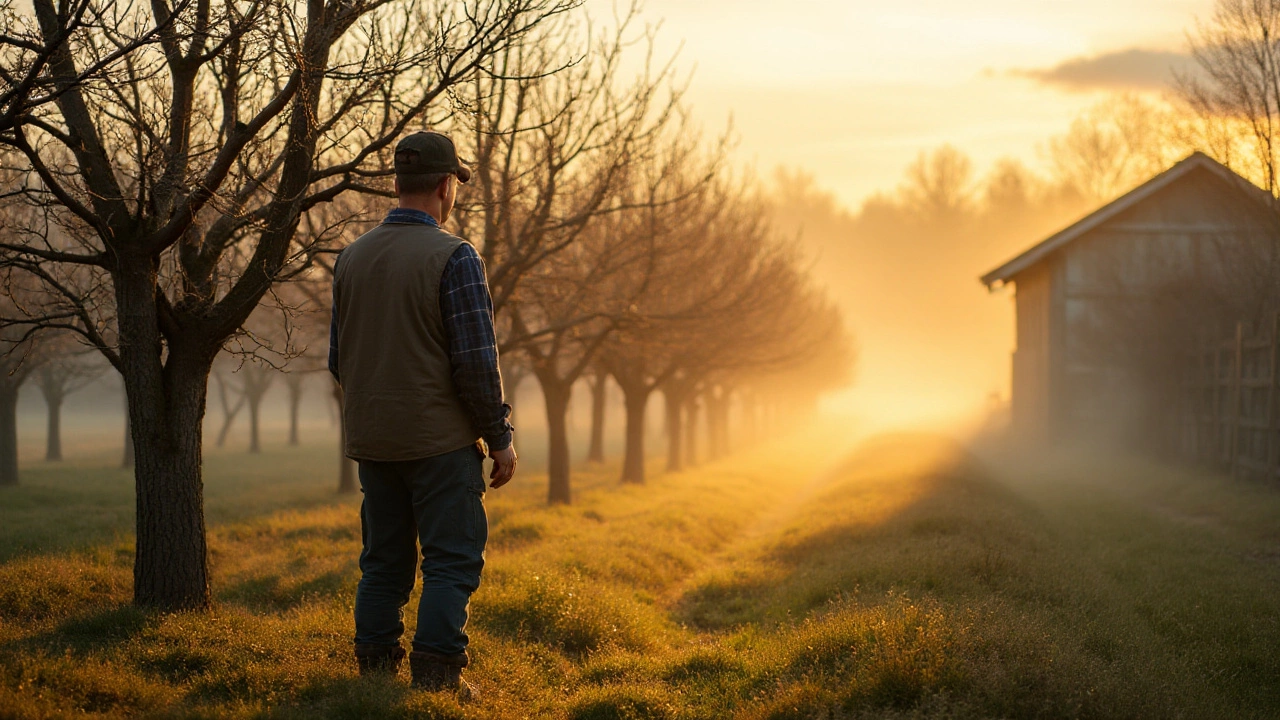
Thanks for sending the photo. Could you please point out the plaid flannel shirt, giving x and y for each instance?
(467, 310)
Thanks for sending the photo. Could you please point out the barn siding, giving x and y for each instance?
(1030, 402)
(1069, 377)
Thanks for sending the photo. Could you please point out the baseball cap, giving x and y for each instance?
(425, 153)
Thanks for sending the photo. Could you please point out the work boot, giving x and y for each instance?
(433, 671)
(379, 659)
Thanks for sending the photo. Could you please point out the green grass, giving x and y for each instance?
(88, 500)
(913, 579)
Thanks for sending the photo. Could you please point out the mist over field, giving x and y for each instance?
(913, 361)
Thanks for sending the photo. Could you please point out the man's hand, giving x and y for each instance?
(504, 466)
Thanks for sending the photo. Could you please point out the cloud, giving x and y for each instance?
(1132, 69)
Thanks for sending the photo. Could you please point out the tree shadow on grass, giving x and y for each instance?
(279, 592)
(959, 533)
(92, 631)
(356, 698)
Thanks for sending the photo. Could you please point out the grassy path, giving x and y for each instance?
(912, 578)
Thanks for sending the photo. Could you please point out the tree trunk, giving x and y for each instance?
(167, 386)
(691, 431)
(636, 400)
(717, 422)
(229, 411)
(255, 404)
(126, 463)
(171, 558)
(674, 402)
(557, 395)
(346, 466)
(294, 382)
(599, 390)
(8, 434)
(53, 433)
(726, 423)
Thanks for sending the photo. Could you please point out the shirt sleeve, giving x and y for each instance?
(467, 310)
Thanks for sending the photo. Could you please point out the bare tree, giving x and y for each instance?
(27, 56)
(231, 397)
(179, 178)
(1235, 103)
(554, 131)
(598, 381)
(20, 355)
(940, 184)
(1237, 93)
(1112, 148)
(310, 322)
(258, 378)
(66, 371)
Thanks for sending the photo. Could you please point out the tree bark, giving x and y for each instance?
(8, 434)
(599, 390)
(674, 402)
(171, 558)
(636, 401)
(53, 431)
(167, 384)
(557, 395)
(346, 466)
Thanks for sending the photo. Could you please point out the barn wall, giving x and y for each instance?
(1031, 357)
(1107, 282)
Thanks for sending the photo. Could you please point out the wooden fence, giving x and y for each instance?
(1231, 415)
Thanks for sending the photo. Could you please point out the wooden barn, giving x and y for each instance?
(1070, 376)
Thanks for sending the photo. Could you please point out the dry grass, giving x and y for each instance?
(913, 580)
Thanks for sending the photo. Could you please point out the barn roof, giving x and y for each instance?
(1035, 254)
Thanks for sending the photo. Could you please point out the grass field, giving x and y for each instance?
(912, 578)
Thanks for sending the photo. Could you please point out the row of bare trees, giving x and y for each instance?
(169, 152)
(180, 174)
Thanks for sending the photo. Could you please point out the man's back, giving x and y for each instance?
(413, 346)
(399, 398)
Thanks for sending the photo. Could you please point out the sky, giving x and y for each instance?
(853, 91)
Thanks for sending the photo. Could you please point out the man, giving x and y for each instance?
(412, 345)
